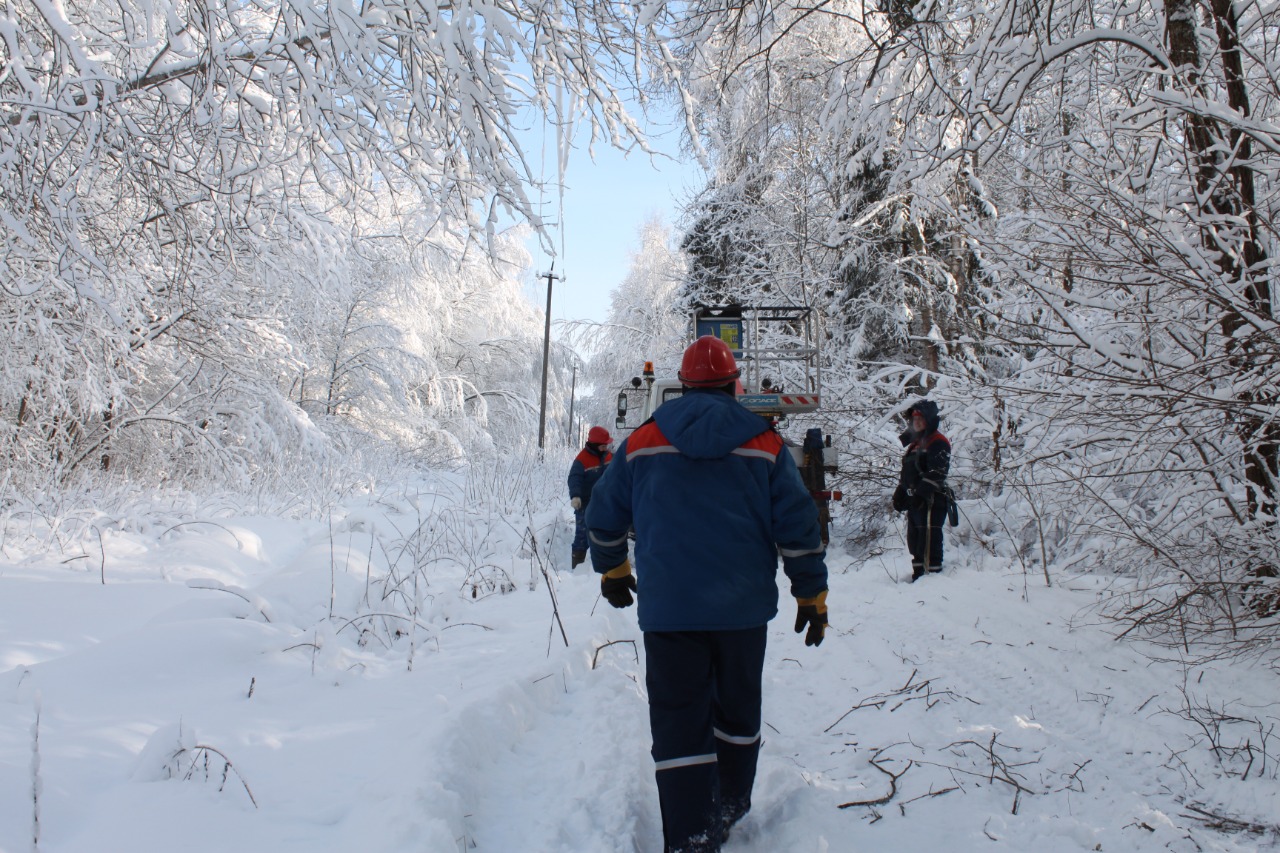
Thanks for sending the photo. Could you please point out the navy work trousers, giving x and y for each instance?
(926, 523)
(704, 712)
(580, 542)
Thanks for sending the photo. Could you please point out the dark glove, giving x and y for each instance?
(812, 612)
(900, 498)
(617, 586)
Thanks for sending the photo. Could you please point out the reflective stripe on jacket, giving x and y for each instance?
(714, 498)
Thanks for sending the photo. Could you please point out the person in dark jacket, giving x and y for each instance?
(922, 487)
(715, 498)
(587, 468)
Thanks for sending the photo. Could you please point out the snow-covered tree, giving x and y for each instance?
(646, 322)
(1079, 196)
(170, 169)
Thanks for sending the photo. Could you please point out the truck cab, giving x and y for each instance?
(776, 348)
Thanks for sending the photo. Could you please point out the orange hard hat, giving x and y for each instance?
(708, 363)
(598, 435)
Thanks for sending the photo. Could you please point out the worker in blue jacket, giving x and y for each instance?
(714, 497)
(587, 468)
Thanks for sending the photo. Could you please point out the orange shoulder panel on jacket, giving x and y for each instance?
(646, 436)
(768, 441)
(588, 459)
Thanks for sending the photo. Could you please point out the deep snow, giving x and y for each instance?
(204, 699)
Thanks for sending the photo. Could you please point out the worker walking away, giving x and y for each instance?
(714, 498)
(584, 473)
(922, 491)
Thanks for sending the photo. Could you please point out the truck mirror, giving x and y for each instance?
(622, 403)
(620, 424)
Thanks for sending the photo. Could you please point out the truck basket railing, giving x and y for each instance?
(755, 333)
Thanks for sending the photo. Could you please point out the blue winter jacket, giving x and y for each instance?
(714, 497)
(585, 472)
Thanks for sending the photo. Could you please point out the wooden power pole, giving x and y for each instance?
(546, 360)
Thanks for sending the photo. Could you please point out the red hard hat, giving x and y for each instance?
(598, 435)
(708, 363)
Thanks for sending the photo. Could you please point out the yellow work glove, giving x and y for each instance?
(812, 612)
(616, 585)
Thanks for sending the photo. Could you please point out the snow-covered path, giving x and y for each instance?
(996, 710)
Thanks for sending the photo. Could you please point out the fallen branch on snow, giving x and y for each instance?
(596, 655)
(874, 761)
(202, 751)
(909, 692)
(1226, 823)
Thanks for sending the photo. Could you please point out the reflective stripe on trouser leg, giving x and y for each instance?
(738, 666)
(690, 817)
(678, 675)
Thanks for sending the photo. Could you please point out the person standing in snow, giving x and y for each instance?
(922, 487)
(714, 498)
(587, 468)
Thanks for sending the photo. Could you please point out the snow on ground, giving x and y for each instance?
(205, 699)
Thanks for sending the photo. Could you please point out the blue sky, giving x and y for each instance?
(606, 200)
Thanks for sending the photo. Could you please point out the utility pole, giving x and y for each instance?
(546, 359)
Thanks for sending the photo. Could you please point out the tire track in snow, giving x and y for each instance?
(559, 762)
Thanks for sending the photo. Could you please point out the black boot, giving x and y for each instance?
(729, 817)
(579, 557)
